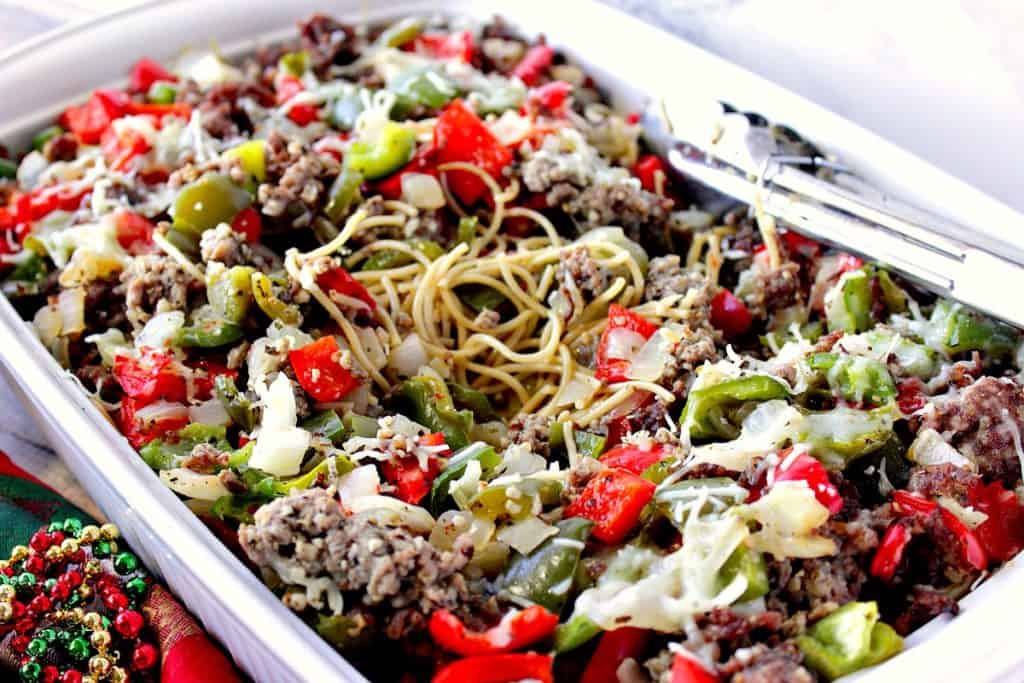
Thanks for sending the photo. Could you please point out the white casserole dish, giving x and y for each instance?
(628, 57)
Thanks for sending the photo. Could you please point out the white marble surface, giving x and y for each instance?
(943, 78)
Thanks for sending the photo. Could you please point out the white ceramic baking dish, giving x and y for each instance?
(631, 59)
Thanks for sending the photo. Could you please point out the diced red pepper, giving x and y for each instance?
(633, 118)
(460, 135)
(613, 649)
(517, 630)
(424, 160)
(910, 396)
(612, 369)
(533, 64)
(341, 281)
(145, 73)
(890, 552)
(729, 314)
(1002, 534)
(806, 468)
(970, 546)
(134, 232)
(139, 434)
(908, 503)
(88, 121)
(799, 245)
(152, 376)
(411, 481)
(302, 114)
(42, 201)
(646, 169)
(208, 372)
(618, 427)
(505, 668)
(158, 111)
(458, 45)
(248, 222)
(848, 262)
(689, 670)
(120, 148)
(319, 372)
(633, 458)
(613, 500)
(551, 96)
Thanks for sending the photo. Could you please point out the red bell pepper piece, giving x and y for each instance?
(729, 314)
(88, 121)
(970, 546)
(645, 169)
(907, 502)
(1002, 534)
(910, 395)
(302, 114)
(618, 427)
(411, 481)
(151, 376)
(139, 434)
(551, 96)
(689, 670)
(848, 262)
(248, 222)
(134, 232)
(158, 111)
(609, 368)
(120, 148)
(423, 161)
(890, 552)
(319, 372)
(460, 135)
(804, 467)
(457, 45)
(614, 648)
(613, 500)
(505, 668)
(799, 245)
(207, 373)
(145, 73)
(633, 458)
(533, 64)
(517, 630)
(341, 281)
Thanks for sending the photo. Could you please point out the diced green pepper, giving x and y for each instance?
(238, 407)
(588, 444)
(960, 329)
(401, 32)
(421, 86)
(843, 434)
(8, 169)
(28, 272)
(433, 408)
(341, 464)
(855, 378)
(496, 100)
(208, 202)
(294, 63)
(659, 471)
(848, 303)
(471, 399)
(912, 358)
(344, 194)
(892, 294)
(749, 564)
(253, 157)
(467, 229)
(230, 292)
(456, 467)
(162, 92)
(187, 242)
(161, 454)
(388, 258)
(358, 425)
(481, 298)
(515, 500)
(384, 156)
(545, 576)
(706, 410)
(209, 334)
(579, 630)
(240, 456)
(44, 136)
(849, 639)
(327, 425)
(269, 303)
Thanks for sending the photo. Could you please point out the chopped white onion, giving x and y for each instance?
(192, 484)
(71, 304)
(160, 330)
(393, 511)
(210, 412)
(422, 191)
(362, 481)
(30, 168)
(161, 410)
(654, 356)
(527, 534)
(624, 344)
(47, 322)
(511, 128)
(110, 344)
(409, 356)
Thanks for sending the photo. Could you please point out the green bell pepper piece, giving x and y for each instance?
(209, 334)
(750, 564)
(294, 63)
(270, 303)
(401, 32)
(384, 156)
(705, 413)
(960, 329)
(237, 406)
(855, 378)
(162, 92)
(432, 407)
(359, 425)
(420, 86)
(187, 242)
(240, 456)
(481, 298)
(44, 136)
(388, 258)
(515, 500)
(253, 157)
(579, 630)
(163, 454)
(342, 465)
(470, 399)
(208, 202)
(8, 169)
(912, 358)
(849, 639)
(328, 425)
(659, 471)
(588, 444)
(892, 294)
(840, 435)
(467, 229)
(344, 194)
(545, 576)
(342, 632)
(456, 467)
(28, 271)
(496, 100)
(230, 292)
(848, 303)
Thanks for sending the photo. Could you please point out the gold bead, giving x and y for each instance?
(7, 592)
(6, 611)
(93, 568)
(85, 591)
(69, 546)
(54, 554)
(113, 547)
(19, 553)
(76, 615)
(99, 665)
(58, 615)
(118, 675)
(88, 679)
(4, 564)
(92, 621)
(100, 639)
(90, 534)
(109, 532)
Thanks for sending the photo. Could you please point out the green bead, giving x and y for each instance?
(26, 580)
(136, 587)
(125, 563)
(49, 584)
(79, 648)
(37, 647)
(48, 634)
(105, 621)
(64, 637)
(73, 599)
(56, 526)
(30, 672)
(101, 549)
(4, 580)
(72, 525)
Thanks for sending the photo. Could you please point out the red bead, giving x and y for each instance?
(60, 591)
(17, 609)
(40, 541)
(72, 577)
(50, 674)
(71, 676)
(25, 625)
(78, 557)
(144, 656)
(35, 564)
(40, 604)
(115, 600)
(20, 643)
(56, 537)
(129, 623)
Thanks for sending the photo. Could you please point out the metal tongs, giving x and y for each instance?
(740, 156)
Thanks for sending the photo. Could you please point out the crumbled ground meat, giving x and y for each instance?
(933, 481)
(666, 277)
(63, 147)
(104, 305)
(205, 459)
(297, 182)
(984, 423)
(387, 569)
(697, 345)
(922, 605)
(578, 477)
(637, 211)
(154, 282)
(763, 664)
(222, 114)
(224, 245)
(581, 279)
(649, 417)
(934, 556)
(773, 290)
(501, 54)
(559, 182)
(532, 431)
(328, 42)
